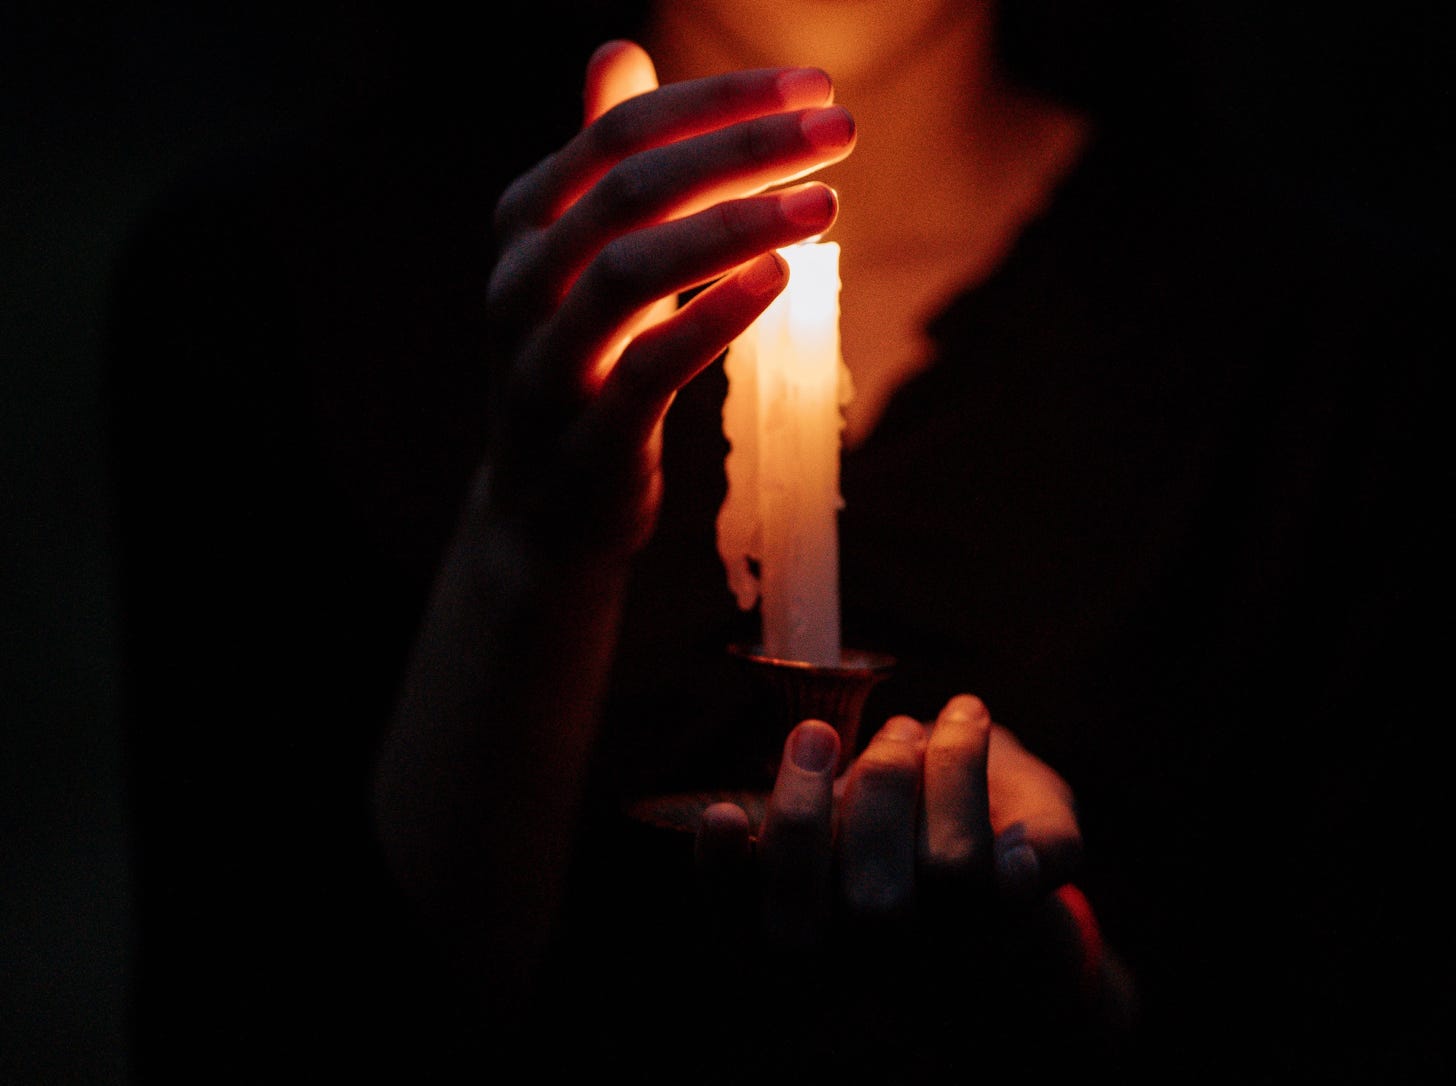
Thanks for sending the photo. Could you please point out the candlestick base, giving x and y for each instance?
(798, 691)
(803, 691)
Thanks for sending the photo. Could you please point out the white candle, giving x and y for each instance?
(783, 421)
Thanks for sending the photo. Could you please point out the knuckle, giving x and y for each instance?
(890, 766)
(754, 141)
(502, 292)
(635, 381)
(956, 749)
(798, 816)
(613, 135)
(508, 209)
(953, 857)
(625, 193)
(740, 220)
(616, 269)
(524, 203)
(516, 294)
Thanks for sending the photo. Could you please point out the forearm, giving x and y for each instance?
(480, 780)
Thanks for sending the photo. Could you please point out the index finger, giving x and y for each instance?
(618, 70)
(641, 121)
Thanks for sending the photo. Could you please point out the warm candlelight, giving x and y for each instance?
(782, 418)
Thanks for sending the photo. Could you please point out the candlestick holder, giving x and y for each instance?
(796, 691)
(801, 691)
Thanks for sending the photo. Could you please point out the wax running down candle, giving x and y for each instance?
(782, 418)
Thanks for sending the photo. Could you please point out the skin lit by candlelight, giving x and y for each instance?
(594, 350)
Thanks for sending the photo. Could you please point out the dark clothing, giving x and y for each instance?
(1167, 501)
(1165, 504)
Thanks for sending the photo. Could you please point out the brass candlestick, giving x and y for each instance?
(798, 691)
(802, 691)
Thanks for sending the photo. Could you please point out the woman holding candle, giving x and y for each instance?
(1072, 488)
(626, 217)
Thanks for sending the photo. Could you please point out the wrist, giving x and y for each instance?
(582, 522)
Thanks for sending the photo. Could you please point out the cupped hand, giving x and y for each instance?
(919, 911)
(665, 189)
(930, 826)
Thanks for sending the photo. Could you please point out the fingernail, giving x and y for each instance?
(803, 86)
(765, 275)
(1020, 870)
(812, 206)
(814, 749)
(828, 127)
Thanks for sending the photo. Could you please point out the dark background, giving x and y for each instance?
(100, 110)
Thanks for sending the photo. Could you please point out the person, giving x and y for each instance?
(1136, 478)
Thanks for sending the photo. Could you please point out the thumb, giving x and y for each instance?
(618, 70)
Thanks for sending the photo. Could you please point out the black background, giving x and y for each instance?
(99, 110)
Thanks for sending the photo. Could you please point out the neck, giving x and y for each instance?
(936, 118)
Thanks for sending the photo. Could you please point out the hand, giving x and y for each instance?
(958, 810)
(923, 900)
(951, 845)
(663, 190)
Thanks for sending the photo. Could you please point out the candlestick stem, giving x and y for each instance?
(802, 691)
